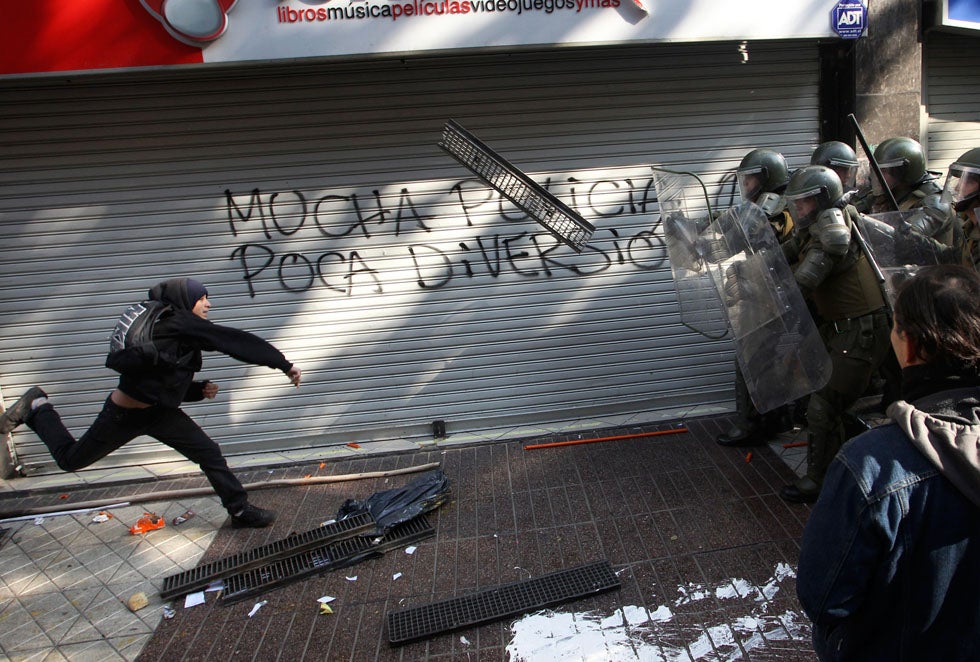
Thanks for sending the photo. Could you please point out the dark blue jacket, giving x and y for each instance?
(890, 559)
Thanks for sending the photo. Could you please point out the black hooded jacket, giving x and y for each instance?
(182, 333)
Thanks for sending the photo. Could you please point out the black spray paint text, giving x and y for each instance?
(347, 243)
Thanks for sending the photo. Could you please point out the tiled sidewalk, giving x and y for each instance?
(696, 533)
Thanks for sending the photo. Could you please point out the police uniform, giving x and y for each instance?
(840, 283)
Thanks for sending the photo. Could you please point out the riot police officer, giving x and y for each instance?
(762, 177)
(902, 162)
(840, 158)
(835, 275)
(962, 192)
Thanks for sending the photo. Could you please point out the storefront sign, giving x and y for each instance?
(90, 35)
(849, 19)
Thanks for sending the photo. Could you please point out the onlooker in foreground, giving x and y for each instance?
(890, 558)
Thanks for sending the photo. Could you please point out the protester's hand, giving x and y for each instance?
(294, 375)
(209, 390)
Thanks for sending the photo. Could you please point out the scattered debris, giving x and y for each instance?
(168, 612)
(748, 456)
(396, 506)
(354, 445)
(103, 516)
(410, 549)
(38, 521)
(396, 576)
(464, 641)
(180, 519)
(325, 608)
(194, 599)
(255, 609)
(325, 599)
(148, 522)
(137, 601)
(351, 579)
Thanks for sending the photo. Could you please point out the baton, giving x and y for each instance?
(858, 234)
(871, 160)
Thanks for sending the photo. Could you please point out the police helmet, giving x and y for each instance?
(811, 190)
(903, 159)
(840, 158)
(963, 181)
(761, 171)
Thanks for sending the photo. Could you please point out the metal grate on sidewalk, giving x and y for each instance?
(198, 578)
(333, 556)
(509, 600)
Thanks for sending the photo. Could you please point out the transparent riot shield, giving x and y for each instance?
(777, 343)
(899, 249)
(700, 307)
(735, 265)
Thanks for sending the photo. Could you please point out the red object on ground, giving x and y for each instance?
(148, 522)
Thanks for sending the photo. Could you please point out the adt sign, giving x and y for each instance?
(849, 19)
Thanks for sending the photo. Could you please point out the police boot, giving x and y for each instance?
(742, 433)
(802, 490)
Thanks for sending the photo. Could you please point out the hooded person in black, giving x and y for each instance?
(147, 401)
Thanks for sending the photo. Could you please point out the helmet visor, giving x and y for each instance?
(847, 173)
(892, 174)
(750, 181)
(962, 186)
(804, 206)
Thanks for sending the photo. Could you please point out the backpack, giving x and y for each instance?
(131, 346)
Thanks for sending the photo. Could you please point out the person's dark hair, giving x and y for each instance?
(939, 310)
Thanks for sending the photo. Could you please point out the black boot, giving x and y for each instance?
(18, 412)
(741, 434)
(802, 490)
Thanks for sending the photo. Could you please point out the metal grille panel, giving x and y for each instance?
(564, 224)
(419, 622)
(341, 554)
(199, 577)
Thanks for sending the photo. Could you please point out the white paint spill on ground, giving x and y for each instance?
(650, 635)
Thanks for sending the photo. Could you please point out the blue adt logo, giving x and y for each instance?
(849, 19)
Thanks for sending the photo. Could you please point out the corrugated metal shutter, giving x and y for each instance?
(952, 96)
(405, 291)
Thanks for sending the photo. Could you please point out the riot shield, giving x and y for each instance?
(899, 249)
(735, 265)
(777, 343)
(700, 307)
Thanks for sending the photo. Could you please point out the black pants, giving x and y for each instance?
(115, 426)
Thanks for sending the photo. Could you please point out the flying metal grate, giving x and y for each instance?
(198, 578)
(417, 623)
(334, 556)
(555, 216)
